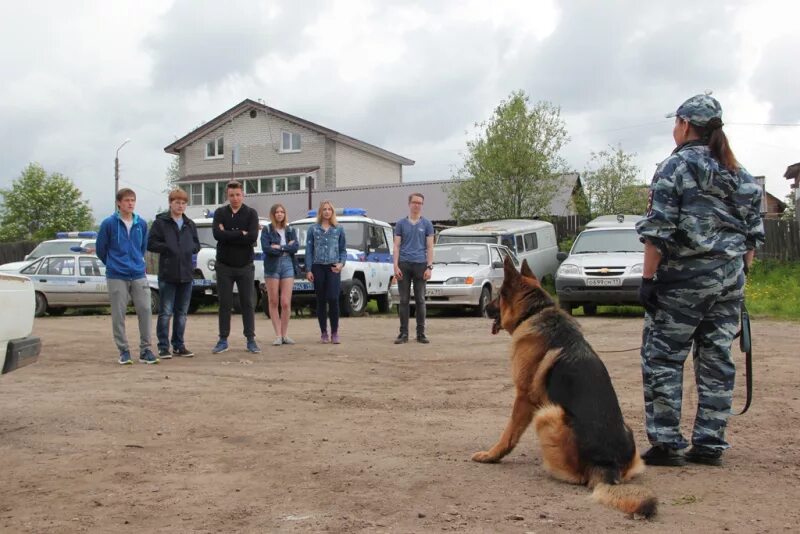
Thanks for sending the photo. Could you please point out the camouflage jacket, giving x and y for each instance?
(700, 215)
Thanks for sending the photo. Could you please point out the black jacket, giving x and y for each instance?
(175, 247)
(233, 248)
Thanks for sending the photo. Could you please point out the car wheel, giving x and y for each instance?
(566, 306)
(486, 296)
(41, 305)
(354, 301)
(194, 305)
(155, 302)
(590, 309)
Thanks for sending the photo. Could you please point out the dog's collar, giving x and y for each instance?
(534, 308)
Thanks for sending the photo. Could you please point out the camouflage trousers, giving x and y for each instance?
(704, 312)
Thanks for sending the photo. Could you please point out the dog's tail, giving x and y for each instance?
(630, 498)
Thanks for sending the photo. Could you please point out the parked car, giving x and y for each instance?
(62, 244)
(75, 280)
(368, 270)
(205, 275)
(604, 265)
(465, 275)
(530, 240)
(17, 347)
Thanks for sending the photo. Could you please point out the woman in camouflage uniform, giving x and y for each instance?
(702, 226)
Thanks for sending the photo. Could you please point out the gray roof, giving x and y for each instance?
(560, 204)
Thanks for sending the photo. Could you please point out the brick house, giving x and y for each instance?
(271, 151)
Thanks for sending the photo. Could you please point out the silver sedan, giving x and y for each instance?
(465, 275)
(66, 281)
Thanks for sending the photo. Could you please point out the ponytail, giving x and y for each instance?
(718, 144)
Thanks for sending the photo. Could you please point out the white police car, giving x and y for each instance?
(64, 243)
(368, 269)
(205, 263)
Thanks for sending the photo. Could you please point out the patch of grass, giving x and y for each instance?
(685, 499)
(773, 290)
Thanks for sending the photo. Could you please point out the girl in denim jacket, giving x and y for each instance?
(279, 243)
(326, 253)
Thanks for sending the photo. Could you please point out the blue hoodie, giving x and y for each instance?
(122, 254)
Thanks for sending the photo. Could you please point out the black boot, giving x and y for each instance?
(662, 455)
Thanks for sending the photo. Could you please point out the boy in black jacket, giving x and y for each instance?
(236, 231)
(173, 236)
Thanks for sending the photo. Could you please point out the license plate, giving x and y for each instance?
(303, 286)
(433, 291)
(604, 282)
(202, 282)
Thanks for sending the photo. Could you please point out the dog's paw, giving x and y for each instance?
(484, 457)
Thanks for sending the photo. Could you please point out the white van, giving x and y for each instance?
(530, 240)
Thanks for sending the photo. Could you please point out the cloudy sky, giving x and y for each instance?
(78, 78)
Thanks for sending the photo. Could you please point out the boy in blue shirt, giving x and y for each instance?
(413, 262)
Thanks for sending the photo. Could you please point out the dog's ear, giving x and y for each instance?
(526, 270)
(509, 269)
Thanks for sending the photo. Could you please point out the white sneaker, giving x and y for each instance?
(288, 341)
(278, 341)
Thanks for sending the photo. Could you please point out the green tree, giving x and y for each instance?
(39, 204)
(612, 185)
(173, 174)
(511, 167)
(791, 206)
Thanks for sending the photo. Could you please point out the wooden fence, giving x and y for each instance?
(15, 251)
(568, 226)
(783, 240)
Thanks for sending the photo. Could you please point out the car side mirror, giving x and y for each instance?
(561, 256)
(497, 264)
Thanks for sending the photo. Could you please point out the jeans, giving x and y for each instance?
(174, 300)
(243, 277)
(284, 269)
(119, 291)
(412, 272)
(327, 285)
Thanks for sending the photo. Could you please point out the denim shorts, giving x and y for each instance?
(285, 269)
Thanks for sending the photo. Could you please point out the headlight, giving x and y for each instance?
(637, 269)
(460, 280)
(211, 264)
(568, 269)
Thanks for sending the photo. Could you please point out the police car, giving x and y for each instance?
(368, 269)
(62, 244)
(205, 264)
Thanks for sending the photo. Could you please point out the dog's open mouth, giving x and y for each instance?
(496, 327)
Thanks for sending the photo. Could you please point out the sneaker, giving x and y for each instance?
(148, 357)
(183, 352)
(125, 358)
(402, 338)
(164, 354)
(252, 347)
(704, 455)
(287, 340)
(278, 341)
(662, 455)
(422, 339)
(221, 346)
(324, 338)
(335, 338)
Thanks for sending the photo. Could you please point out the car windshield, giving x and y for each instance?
(353, 233)
(206, 236)
(607, 241)
(448, 239)
(53, 247)
(461, 254)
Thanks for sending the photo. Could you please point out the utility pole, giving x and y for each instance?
(116, 171)
(309, 188)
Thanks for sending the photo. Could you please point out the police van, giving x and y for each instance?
(205, 264)
(368, 270)
(530, 240)
(64, 243)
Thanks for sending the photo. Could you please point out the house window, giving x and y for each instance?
(195, 192)
(250, 187)
(280, 184)
(222, 192)
(293, 183)
(266, 185)
(209, 193)
(215, 148)
(290, 142)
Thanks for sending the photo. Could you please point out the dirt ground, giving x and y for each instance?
(361, 437)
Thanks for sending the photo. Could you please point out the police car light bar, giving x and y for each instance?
(72, 235)
(343, 211)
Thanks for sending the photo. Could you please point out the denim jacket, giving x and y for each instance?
(272, 256)
(325, 248)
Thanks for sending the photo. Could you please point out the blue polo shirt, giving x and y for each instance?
(413, 238)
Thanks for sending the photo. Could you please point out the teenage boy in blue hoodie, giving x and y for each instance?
(121, 245)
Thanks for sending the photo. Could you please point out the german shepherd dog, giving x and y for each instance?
(564, 388)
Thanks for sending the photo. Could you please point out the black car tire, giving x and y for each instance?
(354, 300)
(483, 301)
(155, 302)
(41, 305)
(590, 309)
